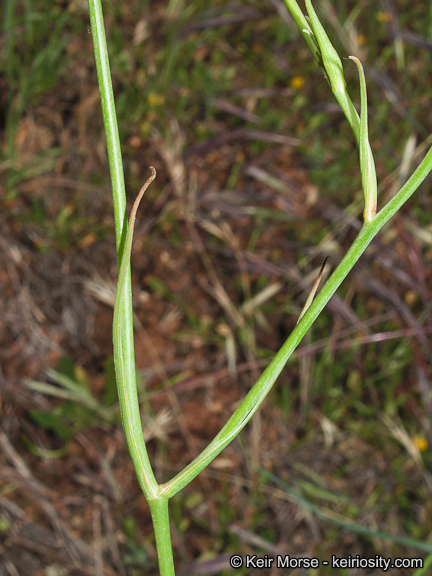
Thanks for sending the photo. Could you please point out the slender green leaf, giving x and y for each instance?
(367, 165)
(126, 383)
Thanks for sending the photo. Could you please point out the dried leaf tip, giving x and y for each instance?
(313, 291)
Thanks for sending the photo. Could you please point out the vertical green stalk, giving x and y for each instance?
(123, 319)
(115, 161)
(161, 525)
(116, 172)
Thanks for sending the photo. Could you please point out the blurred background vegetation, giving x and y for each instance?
(258, 181)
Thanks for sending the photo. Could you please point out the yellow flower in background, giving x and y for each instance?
(297, 82)
(361, 40)
(420, 443)
(155, 99)
(384, 16)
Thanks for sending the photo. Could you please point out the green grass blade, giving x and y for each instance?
(357, 528)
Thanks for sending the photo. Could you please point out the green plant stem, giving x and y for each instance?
(161, 525)
(256, 395)
(125, 324)
(305, 29)
(331, 65)
(322, 50)
(110, 121)
(334, 70)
